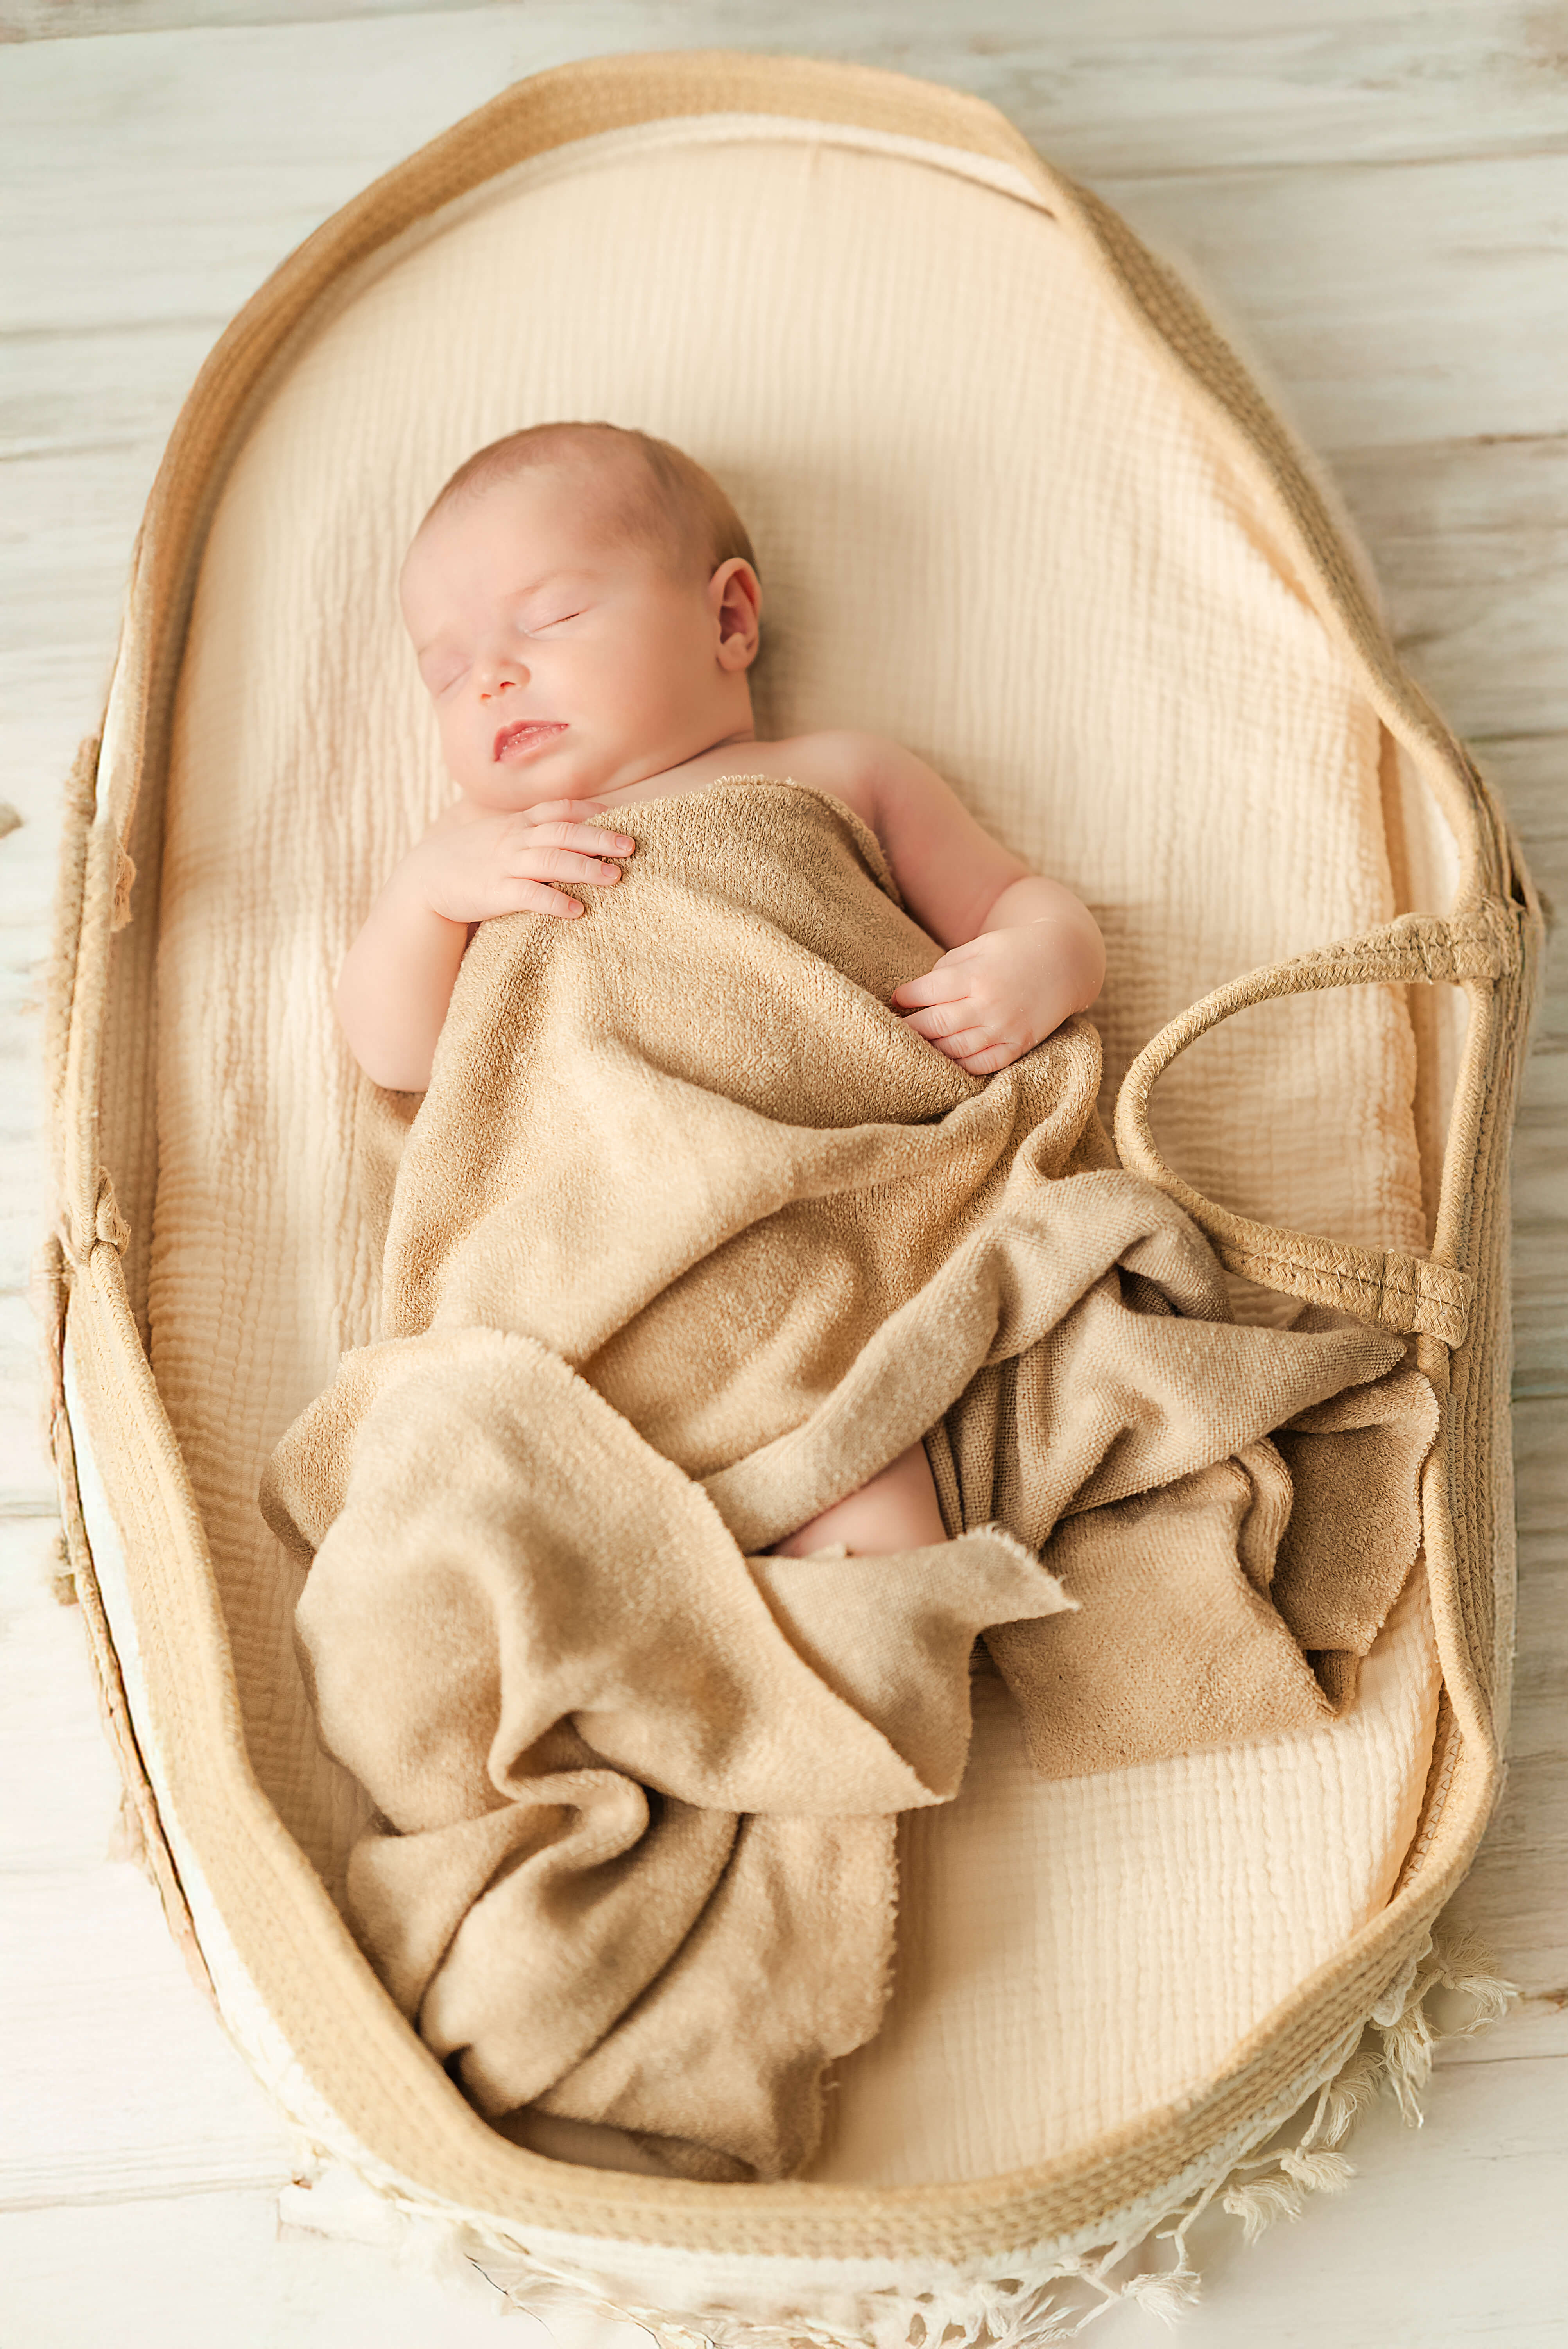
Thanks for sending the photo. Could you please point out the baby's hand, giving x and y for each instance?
(470, 871)
(987, 1003)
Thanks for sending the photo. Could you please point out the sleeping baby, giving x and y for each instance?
(585, 605)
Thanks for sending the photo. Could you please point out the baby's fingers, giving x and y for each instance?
(518, 894)
(965, 1045)
(564, 865)
(942, 1021)
(943, 985)
(987, 1061)
(590, 838)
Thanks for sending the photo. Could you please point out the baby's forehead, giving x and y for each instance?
(575, 504)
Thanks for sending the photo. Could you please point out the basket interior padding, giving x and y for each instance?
(993, 525)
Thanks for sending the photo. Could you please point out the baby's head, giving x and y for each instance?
(583, 603)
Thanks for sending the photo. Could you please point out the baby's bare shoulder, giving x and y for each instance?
(855, 767)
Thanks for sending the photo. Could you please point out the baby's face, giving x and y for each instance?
(563, 657)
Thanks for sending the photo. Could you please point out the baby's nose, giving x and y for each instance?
(499, 677)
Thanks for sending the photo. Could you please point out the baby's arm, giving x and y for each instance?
(398, 978)
(1023, 953)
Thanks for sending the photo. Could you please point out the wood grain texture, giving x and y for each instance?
(172, 2272)
(1125, 85)
(1378, 197)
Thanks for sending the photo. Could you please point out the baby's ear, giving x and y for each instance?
(734, 600)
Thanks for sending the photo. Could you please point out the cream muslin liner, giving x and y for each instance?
(1146, 705)
(689, 1237)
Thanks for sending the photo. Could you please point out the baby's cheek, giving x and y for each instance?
(459, 749)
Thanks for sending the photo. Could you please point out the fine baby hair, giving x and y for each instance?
(663, 495)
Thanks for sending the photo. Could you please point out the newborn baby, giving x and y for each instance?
(585, 606)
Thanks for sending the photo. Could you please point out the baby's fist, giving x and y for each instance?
(987, 1003)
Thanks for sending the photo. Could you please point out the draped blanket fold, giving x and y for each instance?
(690, 1236)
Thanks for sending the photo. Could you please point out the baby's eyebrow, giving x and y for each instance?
(549, 579)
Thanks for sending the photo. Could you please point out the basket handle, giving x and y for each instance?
(1411, 1294)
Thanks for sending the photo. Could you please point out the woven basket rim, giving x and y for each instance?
(362, 2057)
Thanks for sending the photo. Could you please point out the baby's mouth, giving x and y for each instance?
(519, 741)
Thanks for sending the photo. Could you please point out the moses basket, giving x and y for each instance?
(1016, 504)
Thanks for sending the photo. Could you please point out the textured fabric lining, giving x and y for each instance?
(987, 528)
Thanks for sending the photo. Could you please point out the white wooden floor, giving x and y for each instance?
(1374, 193)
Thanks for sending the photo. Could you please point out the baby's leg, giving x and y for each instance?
(897, 1510)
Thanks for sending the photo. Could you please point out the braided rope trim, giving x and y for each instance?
(1408, 1294)
(1412, 1294)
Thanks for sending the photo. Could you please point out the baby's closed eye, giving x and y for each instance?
(441, 673)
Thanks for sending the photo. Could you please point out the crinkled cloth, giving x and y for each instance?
(690, 1236)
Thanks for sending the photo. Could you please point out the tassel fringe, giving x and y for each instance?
(1044, 2298)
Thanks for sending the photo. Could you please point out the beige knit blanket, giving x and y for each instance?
(690, 1236)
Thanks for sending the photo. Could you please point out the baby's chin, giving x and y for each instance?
(511, 791)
